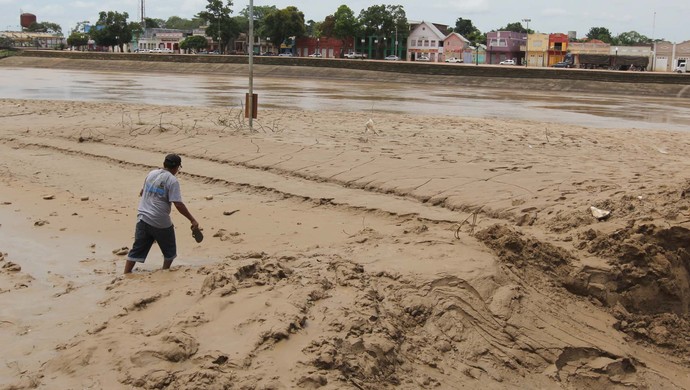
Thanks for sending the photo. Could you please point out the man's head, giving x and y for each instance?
(172, 161)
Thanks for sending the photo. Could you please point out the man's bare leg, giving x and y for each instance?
(167, 264)
(129, 265)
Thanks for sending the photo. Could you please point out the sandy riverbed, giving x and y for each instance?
(438, 253)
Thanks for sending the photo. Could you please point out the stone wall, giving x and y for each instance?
(505, 77)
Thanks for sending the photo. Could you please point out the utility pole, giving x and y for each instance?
(653, 43)
(527, 42)
(396, 40)
(250, 100)
(142, 13)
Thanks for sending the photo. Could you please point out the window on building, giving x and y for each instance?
(433, 43)
(426, 43)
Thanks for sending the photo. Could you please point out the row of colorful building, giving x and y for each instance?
(433, 43)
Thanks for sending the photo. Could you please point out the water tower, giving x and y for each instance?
(26, 20)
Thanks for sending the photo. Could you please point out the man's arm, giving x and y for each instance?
(184, 211)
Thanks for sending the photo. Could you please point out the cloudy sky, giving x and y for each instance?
(666, 19)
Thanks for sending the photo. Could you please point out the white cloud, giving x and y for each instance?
(554, 12)
(463, 7)
(81, 5)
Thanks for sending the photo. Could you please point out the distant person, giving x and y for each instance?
(154, 224)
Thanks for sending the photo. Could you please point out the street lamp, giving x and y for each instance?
(615, 63)
(318, 50)
(527, 42)
(362, 48)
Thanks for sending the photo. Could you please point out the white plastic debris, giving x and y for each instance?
(369, 126)
(599, 214)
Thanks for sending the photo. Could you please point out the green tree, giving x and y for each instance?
(316, 29)
(516, 27)
(382, 21)
(260, 12)
(346, 24)
(322, 29)
(80, 26)
(601, 33)
(283, 24)
(78, 39)
(178, 23)
(464, 27)
(112, 29)
(477, 36)
(46, 27)
(632, 38)
(195, 42)
(6, 43)
(153, 23)
(220, 25)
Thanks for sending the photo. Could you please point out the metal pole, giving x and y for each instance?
(250, 101)
(527, 42)
(654, 43)
(396, 41)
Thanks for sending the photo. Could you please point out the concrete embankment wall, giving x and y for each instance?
(502, 77)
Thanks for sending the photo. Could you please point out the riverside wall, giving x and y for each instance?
(468, 75)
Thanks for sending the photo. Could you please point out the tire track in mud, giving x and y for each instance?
(398, 331)
(285, 183)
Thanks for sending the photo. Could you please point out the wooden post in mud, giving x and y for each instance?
(251, 104)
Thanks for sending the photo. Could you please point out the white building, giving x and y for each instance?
(425, 41)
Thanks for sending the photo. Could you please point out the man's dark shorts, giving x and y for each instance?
(144, 237)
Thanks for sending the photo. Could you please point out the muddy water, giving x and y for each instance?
(290, 93)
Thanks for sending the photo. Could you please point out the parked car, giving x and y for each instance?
(682, 68)
(423, 58)
(507, 62)
(454, 60)
(166, 50)
(562, 64)
(353, 56)
(392, 57)
(156, 50)
(315, 55)
(286, 54)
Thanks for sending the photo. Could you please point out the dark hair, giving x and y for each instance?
(172, 161)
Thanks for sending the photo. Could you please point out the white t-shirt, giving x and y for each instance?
(160, 189)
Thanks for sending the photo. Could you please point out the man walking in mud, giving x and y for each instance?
(161, 189)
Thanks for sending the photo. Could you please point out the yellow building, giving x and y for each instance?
(536, 50)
